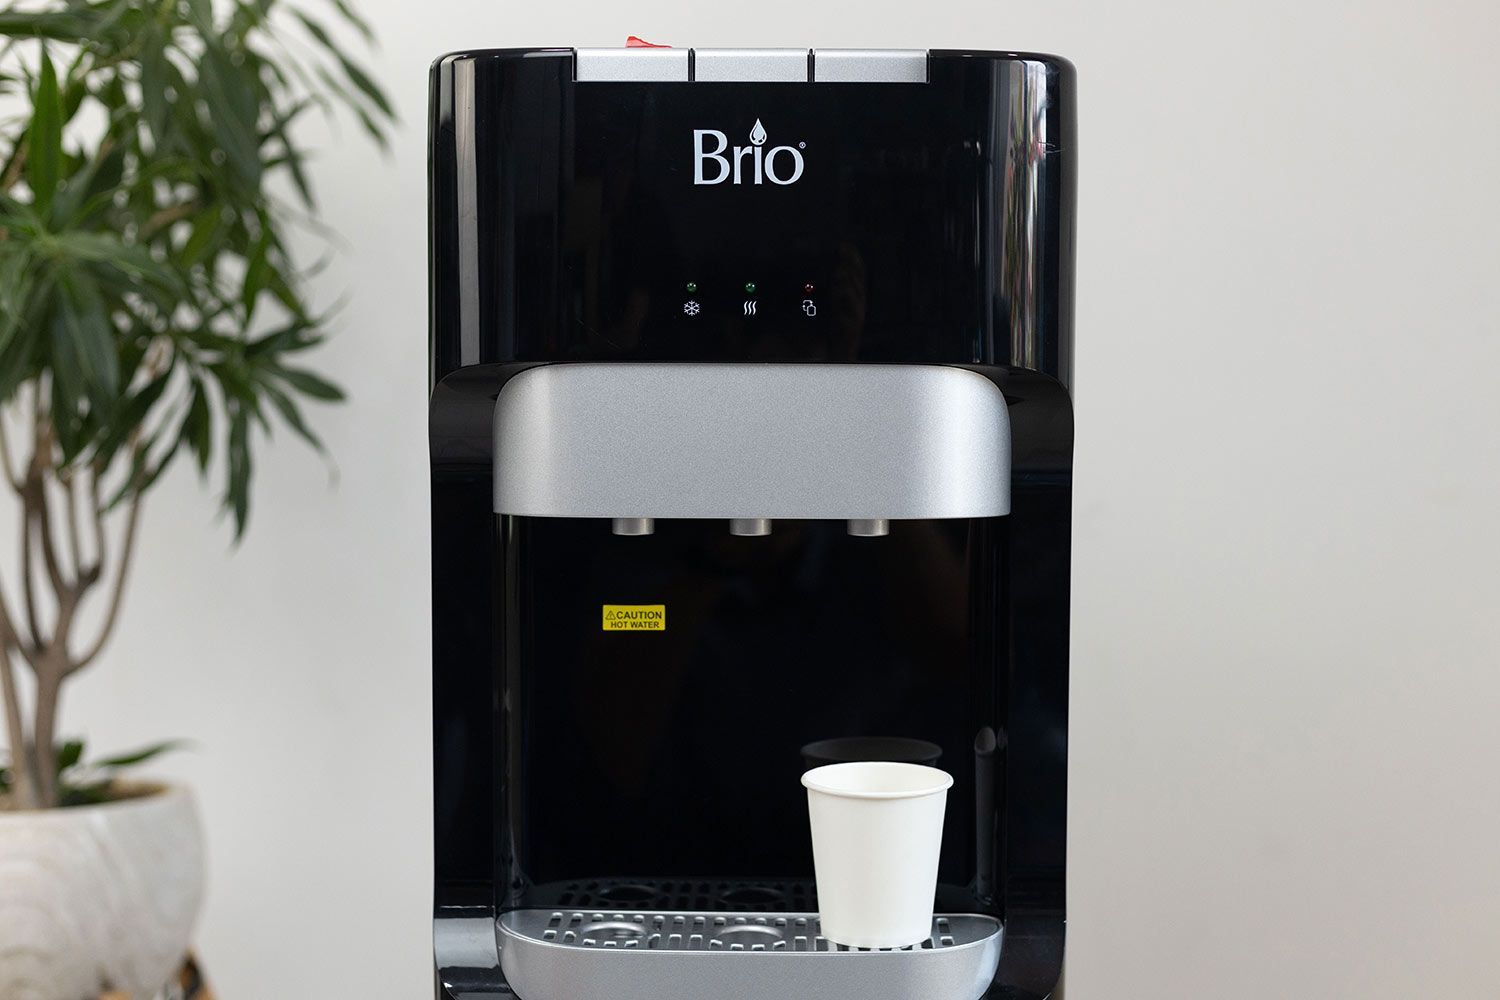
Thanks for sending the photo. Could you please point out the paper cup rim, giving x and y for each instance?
(819, 779)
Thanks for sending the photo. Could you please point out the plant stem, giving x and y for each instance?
(96, 504)
(166, 217)
(117, 592)
(74, 546)
(22, 760)
(49, 674)
(35, 500)
(50, 663)
(28, 576)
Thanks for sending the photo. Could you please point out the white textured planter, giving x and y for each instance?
(96, 897)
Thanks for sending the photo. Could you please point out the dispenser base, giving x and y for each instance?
(644, 955)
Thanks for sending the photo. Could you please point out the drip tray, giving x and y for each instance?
(648, 955)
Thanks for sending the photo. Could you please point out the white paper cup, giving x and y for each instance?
(877, 827)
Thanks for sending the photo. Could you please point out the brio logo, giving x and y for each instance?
(713, 165)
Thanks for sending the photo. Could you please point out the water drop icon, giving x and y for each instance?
(758, 133)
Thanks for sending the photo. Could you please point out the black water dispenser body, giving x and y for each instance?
(670, 211)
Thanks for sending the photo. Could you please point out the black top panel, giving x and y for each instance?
(752, 222)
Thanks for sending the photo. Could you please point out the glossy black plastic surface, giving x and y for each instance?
(933, 223)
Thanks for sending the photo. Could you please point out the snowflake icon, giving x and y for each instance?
(691, 307)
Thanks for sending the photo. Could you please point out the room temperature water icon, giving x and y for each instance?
(809, 308)
(749, 307)
(691, 307)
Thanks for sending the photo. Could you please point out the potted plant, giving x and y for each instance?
(149, 310)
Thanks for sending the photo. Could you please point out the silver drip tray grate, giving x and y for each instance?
(716, 931)
(570, 954)
(680, 895)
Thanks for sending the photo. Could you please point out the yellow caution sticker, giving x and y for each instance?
(635, 617)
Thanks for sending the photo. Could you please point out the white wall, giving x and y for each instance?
(1285, 681)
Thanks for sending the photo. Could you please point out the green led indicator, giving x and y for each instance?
(749, 288)
(692, 286)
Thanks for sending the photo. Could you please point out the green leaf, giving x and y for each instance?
(84, 340)
(19, 356)
(90, 188)
(316, 29)
(145, 469)
(197, 426)
(140, 756)
(202, 15)
(205, 229)
(370, 125)
(16, 281)
(83, 361)
(372, 129)
(293, 417)
(69, 754)
(117, 267)
(292, 159)
(132, 262)
(44, 136)
(355, 73)
(232, 112)
(155, 78)
(359, 23)
(61, 26)
(180, 103)
(257, 273)
(130, 416)
(76, 88)
(288, 297)
(295, 336)
(367, 86)
(309, 384)
(238, 448)
(92, 794)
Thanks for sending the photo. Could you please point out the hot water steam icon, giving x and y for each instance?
(758, 138)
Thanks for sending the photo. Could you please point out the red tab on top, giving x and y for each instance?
(635, 42)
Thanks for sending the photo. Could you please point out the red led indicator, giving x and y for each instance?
(807, 289)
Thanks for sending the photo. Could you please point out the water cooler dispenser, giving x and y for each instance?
(751, 449)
